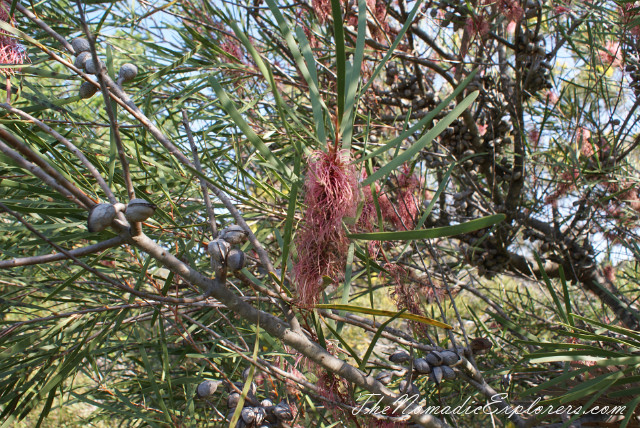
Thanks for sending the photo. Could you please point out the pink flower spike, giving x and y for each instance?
(331, 194)
(11, 51)
(611, 55)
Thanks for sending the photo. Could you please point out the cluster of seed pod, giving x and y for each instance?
(222, 255)
(579, 248)
(84, 61)
(530, 49)
(438, 365)
(494, 107)
(102, 215)
(457, 139)
(405, 91)
(463, 204)
(634, 76)
(266, 414)
(485, 252)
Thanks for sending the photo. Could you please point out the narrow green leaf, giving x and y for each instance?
(338, 35)
(422, 122)
(353, 80)
(375, 338)
(437, 232)
(549, 286)
(370, 311)
(317, 104)
(422, 142)
(407, 23)
(346, 288)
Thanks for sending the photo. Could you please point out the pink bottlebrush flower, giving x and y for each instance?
(512, 10)
(630, 196)
(582, 137)
(609, 273)
(611, 55)
(313, 40)
(331, 194)
(322, 8)
(477, 25)
(482, 129)
(511, 27)
(405, 294)
(402, 210)
(233, 48)
(333, 388)
(389, 424)
(11, 52)
(565, 184)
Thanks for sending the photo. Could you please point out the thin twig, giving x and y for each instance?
(113, 120)
(48, 258)
(37, 171)
(99, 274)
(92, 169)
(26, 12)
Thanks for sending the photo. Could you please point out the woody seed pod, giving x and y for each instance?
(260, 415)
(82, 59)
(399, 357)
(245, 372)
(91, 67)
(139, 210)
(436, 375)
(434, 358)
(422, 366)
(87, 90)
(248, 415)
(232, 400)
(218, 250)
(80, 45)
(235, 260)
(480, 345)
(207, 388)
(233, 234)
(448, 373)
(100, 217)
(127, 73)
(283, 412)
(450, 358)
(410, 389)
(266, 403)
(384, 378)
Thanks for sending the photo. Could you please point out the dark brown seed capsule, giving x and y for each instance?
(207, 388)
(100, 217)
(434, 358)
(422, 366)
(80, 45)
(399, 357)
(235, 260)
